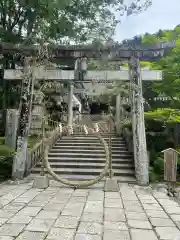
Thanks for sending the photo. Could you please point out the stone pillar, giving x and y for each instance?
(20, 157)
(37, 113)
(70, 105)
(12, 118)
(133, 114)
(118, 113)
(141, 158)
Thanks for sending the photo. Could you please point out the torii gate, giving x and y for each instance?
(102, 78)
(117, 52)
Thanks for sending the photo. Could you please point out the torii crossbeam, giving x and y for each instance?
(103, 76)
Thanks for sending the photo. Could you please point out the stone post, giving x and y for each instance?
(133, 114)
(37, 112)
(118, 113)
(12, 118)
(20, 157)
(70, 104)
(141, 162)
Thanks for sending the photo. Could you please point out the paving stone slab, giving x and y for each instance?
(76, 199)
(173, 210)
(162, 222)
(40, 225)
(92, 206)
(80, 193)
(175, 218)
(116, 235)
(3, 220)
(90, 228)
(114, 215)
(6, 238)
(51, 206)
(87, 237)
(156, 214)
(131, 203)
(145, 197)
(61, 234)
(75, 212)
(67, 222)
(148, 201)
(38, 204)
(57, 201)
(44, 214)
(168, 233)
(31, 236)
(6, 214)
(112, 195)
(139, 224)
(95, 197)
(120, 226)
(132, 206)
(23, 200)
(168, 202)
(11, 229)
(129, 197)
(92, 217)
(14, 207)
(140, 234)
(155, 207)
(113, 203)
(135, 216)
(20, 219)
(159, 195)
(30, 211)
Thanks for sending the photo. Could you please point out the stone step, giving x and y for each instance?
(92, 137)
(83, 144)
(82, 151)
(74, 164)
(81, 157)
(88, 171)
(89, 160)
(126, 179)
(92, 154)
(89, 139)
(87, 147)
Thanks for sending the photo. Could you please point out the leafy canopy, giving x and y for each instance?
(62, 20)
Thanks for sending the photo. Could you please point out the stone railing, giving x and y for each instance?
(103, 126)
(127, 134)
(33, 157)
(37, 152)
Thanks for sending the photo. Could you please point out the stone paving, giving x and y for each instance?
(57, 213)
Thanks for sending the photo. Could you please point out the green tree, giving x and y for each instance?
(61, 20)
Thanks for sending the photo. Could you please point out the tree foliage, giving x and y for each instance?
(62, 20)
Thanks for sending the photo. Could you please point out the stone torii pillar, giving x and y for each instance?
(79, 72)
(140, 148)
(118, 112)
(70, 104)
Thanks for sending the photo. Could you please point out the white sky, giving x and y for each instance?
(163, 14)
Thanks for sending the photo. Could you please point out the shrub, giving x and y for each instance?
(6, 160)
(6, 167)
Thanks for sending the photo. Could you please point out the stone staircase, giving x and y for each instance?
(82, 157)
